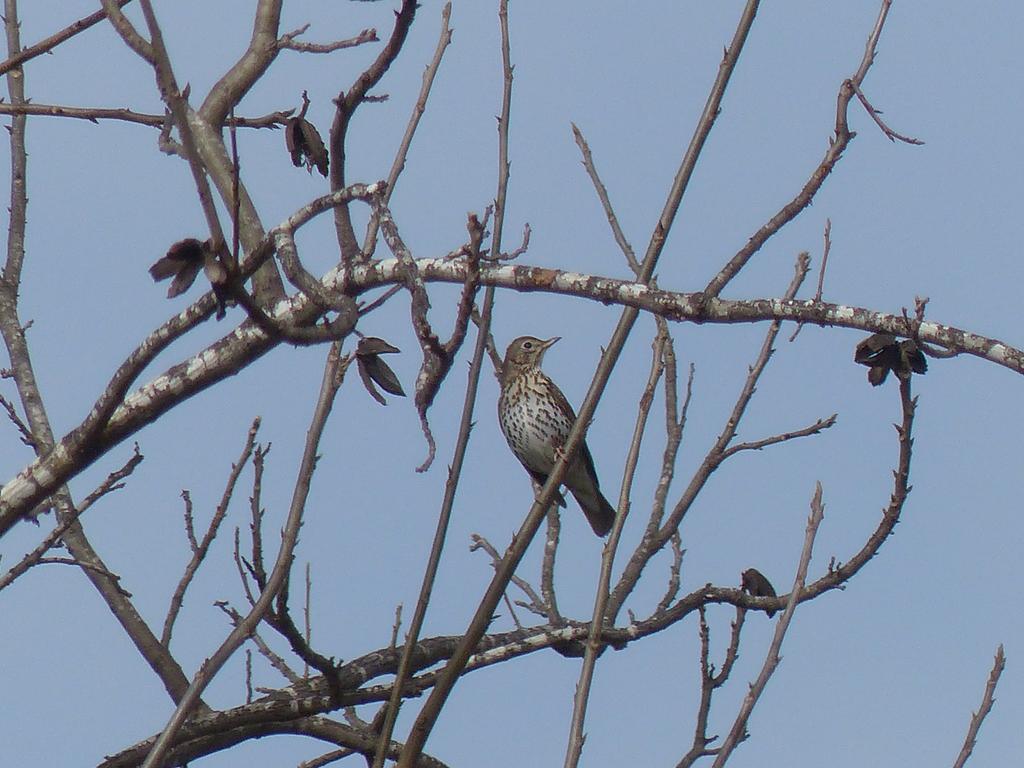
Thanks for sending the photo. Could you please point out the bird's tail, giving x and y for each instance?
(600, 514)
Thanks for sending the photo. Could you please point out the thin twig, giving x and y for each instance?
(282, 565)
(709, 683)
(307, 617)
(756, 445)
(265, 650)
(113, 482)
(574, 750)
(837, 145)
(738, 731)
(346, 104)
(606, 203)
(537, 604)
(874, 113)
(398, 164)
(48, 44)
(986, 706)
(201, 548)
(288, 41)
(21, 426)
(273, 120)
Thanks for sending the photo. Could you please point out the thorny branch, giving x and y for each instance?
(574, 750)
(986, 706)
(48, 44)
(660, 529)
(333, 374)
(113, 482)
(739, 729)
(837, 145)
(201, 548)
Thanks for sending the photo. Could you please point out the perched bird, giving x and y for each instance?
(755, 582)
(536, 419)
(881, 353)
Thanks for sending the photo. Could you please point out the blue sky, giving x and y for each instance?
(893, 665)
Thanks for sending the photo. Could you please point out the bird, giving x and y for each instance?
(536, 418)
(757, 584)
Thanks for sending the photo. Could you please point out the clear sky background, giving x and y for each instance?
(886, 672)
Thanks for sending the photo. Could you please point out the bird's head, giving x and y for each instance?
(528, 351)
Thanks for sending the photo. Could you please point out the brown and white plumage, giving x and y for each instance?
(536, 419)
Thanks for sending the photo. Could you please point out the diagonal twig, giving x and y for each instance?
(986, 706)
(329, 388)
(398, 165)
(837, 145)
(739, 729)
(574, 750)
(48, 44)
(200, 548)
(111, 483)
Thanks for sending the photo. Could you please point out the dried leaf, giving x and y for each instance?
(305, 145)
(912, 357)
(877, 349)
(373, 370)
(877, 375)
(382, 374)
(371, 345)
(368, 381)
(757, 584)
(183, 260)
(882, 353)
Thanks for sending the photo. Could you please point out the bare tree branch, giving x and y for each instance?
(288, 41)
(574, 750)
(329, 387)
(986, 706)
(48, 44)
(739, 728)
(94, 114)
(112, 483)
(200, 549)
(398, 165)
(837, 145)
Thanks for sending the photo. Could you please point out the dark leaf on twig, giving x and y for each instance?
(218, 276)
(877, 349)
(184, 259)
(305, 145)
(882, 353)
(912, 357)
(755, 582)
(373, 370)
(877, 375)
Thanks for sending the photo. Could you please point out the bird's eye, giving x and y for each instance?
(527, 345)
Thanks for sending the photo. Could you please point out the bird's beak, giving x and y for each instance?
(545, 345)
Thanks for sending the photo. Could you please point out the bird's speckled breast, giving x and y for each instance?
(533, 426)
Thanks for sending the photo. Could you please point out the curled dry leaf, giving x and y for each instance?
(374, 371)
(882, 353)
(757, 584)
(183, 261)
(305, 145)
